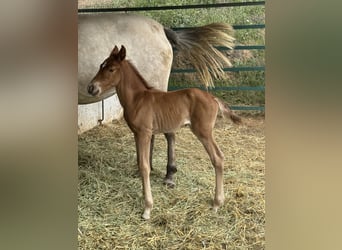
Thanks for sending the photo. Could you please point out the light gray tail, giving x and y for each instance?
(227, 112)
(197, 45)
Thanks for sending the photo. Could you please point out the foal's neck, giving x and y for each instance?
(131, 85)
(134, 72)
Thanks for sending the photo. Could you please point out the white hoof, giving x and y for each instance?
(146, 215)
(215, 208)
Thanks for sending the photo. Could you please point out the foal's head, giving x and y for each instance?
(109, 74)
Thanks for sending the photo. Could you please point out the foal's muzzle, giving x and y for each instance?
(93, 90)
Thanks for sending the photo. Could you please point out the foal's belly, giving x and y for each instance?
(168, 125)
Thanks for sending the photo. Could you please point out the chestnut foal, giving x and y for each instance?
(149, 111)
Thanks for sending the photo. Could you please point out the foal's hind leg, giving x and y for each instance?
(171, 164)
(216, 157)
(151, 151)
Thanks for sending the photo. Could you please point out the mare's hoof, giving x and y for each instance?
(169, 183)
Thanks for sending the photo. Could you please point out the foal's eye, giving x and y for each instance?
(111, 70)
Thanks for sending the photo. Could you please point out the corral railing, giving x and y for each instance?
(260, 87)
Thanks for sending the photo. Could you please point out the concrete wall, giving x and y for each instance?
(89, 114)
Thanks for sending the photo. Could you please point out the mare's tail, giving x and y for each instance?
(197, 45)
(227, 112)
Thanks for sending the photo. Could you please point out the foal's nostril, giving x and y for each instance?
(90, 89)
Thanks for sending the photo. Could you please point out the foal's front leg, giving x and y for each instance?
(143, 141)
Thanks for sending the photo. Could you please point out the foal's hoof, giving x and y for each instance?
(217, 204)
(146, 215)
(169, 183)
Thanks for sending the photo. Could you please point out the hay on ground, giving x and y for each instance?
(111, 202)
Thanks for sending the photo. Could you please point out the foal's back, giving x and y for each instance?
(169, 111)
(184, 98)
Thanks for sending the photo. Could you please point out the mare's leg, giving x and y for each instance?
(216, 157)
(171, 164)
(143, 141)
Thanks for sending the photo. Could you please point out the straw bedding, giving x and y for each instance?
(110, 191)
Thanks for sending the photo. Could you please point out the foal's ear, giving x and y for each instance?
(122, 53)
(115, 50)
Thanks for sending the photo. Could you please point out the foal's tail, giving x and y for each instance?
(227, 112)
(197, 45)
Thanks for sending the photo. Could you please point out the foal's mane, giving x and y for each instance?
(137, 73)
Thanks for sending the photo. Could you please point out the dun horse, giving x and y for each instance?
(148, 111)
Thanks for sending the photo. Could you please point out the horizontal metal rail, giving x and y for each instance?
(220, 88)
(249, 26)
(236, 27)
(172, 7)
(244, 47)
(239, 47)
(256, 108)
(233, 69)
